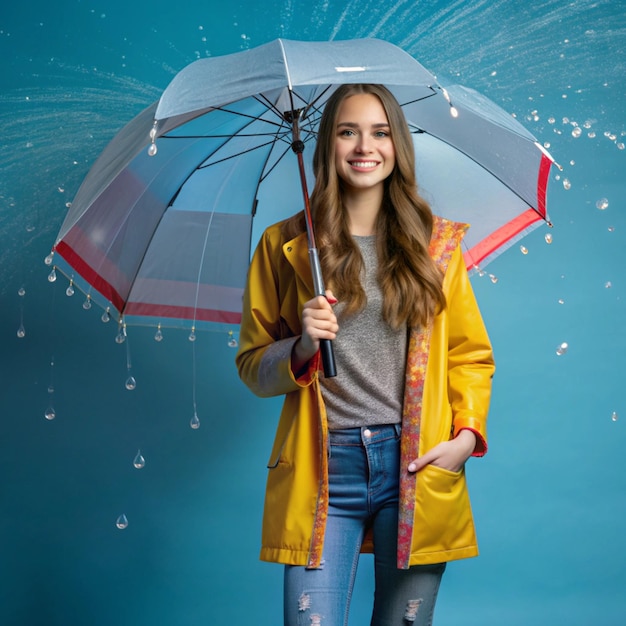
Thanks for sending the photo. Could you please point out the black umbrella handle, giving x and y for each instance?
(326, 345)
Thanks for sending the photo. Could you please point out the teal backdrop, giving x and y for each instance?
(549, 498)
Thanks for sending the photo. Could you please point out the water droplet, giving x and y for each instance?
(523, 249)
(551, 120)
(591, 134)
(620, 145)
(454, 112)
(69, 292)
(131, 383)
(21, 292)
(548, 238)
(611, 229)
(152, 150)
(562, 349)
(195, 422)
(48, 259)
(87, 304)
(493, 279)
(21, 331)
(567, 184)
(602, 204)
(158, 336)
(52, 276)
(577, 132)
(153, 132)
(139, 462)
(232, 342)
(106, 316)
(50, 389)
(50, 413)
(561, 301)
(192, 335)
(608, 284)
(614, 416)
(121, 335)
(122, 522)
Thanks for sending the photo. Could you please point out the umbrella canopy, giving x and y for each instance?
(163, 225)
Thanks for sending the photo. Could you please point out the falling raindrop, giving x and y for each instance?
(548, 238)
(232, 342)
(48, 259)
(158, 336)
(602, 204)
(195, 421)
(131, 383)
(614, 416)
(122, 522)
(577, 132)
(567, 184)
(139, 462)
(87, 303)
(152, 150)
(106, 316)
(21, 292)
(121, 335)
(192, 335)
(69, 292)
(52, 276)
(608, 284)
(50, 389)
(523, 249)
(561, 301)
(493, 279)
(562, 349)
(50, 413)
(611, 229)
(21, 331)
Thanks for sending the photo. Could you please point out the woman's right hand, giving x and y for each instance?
(318, 322)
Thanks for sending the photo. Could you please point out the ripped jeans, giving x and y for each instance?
(364, 465)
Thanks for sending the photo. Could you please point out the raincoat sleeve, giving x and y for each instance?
(470, 357)
(266, 337)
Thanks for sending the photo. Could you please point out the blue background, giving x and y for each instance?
(549, 498)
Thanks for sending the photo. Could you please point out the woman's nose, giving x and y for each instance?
(363, 145)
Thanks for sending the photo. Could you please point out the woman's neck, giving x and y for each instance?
(363, 207)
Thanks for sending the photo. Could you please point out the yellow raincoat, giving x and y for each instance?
(448, 385)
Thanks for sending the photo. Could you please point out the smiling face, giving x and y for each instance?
(364, 150)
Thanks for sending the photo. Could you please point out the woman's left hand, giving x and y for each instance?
(450, 455)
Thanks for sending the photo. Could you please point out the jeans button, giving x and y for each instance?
(367, 432)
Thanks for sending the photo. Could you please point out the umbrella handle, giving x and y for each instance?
(326, 345)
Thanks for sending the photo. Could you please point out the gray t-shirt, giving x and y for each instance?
(370, 358)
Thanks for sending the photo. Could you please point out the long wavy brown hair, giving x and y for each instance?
(409, 279)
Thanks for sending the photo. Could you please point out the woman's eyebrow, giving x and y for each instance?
(355, 125)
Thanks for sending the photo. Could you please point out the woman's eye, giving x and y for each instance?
(381, 133)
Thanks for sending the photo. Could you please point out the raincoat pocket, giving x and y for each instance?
(443, 517)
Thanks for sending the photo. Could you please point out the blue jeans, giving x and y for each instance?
(364, 467)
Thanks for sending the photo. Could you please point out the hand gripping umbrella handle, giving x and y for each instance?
(326, 345)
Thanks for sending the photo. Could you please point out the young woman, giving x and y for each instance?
(371, 460)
